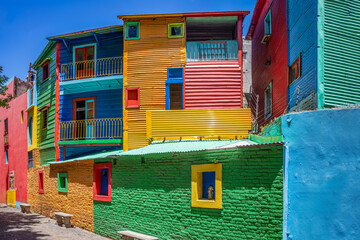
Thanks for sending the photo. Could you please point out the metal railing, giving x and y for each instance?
(91, 68)
(103, 128)
(212, 50)
(6, 139)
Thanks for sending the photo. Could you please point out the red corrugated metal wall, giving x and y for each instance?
(275, 53)
(212, 85)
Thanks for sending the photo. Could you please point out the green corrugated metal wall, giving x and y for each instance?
(341, 52)
(46, 95)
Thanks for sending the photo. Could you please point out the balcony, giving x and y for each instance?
(92, 130)
(91, 68)
(6, 139)
(212, 50)
(198, 124)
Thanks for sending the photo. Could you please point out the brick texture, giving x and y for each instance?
(152, 195)
(77, 201)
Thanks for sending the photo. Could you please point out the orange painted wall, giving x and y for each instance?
(145, 65)
(77, 201)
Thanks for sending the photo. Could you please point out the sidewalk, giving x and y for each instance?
(16, 225)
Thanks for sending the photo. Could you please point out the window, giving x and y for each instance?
(62, 182)
(206, 186)
(176, 30)
(30, 131)
(22, 116)
(268, 101)
(84, 110)
(102, 182)
(132, 97)
(45, 70)
(84, 64)
(41, 181)
(267, 23)
(132, 30)
(30, 160)
(6, 126)
(44, 118)
(295, 70)
(174, 89)
(6, 156)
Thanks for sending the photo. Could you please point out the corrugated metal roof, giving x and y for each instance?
(171, 147)
(89, 32)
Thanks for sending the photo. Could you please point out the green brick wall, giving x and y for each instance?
(46, 95)
(155, 197)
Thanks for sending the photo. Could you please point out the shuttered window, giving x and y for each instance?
(295, 70)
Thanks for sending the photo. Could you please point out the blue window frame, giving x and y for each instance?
(174, 88)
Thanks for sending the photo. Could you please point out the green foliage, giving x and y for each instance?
(4, 98)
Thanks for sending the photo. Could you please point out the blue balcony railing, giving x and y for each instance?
(212, 50)
(92, 68)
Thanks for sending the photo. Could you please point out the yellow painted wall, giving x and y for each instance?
(210, 123)
(145, 65)
(77, 201)
(32, 112)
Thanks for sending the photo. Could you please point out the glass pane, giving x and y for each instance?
(176, 31)
(79, 54)
(132, 31)
(208, 185)
(90, 53)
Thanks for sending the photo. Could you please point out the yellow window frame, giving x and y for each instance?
(196, 186)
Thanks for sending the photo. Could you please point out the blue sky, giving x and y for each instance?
(24, 25)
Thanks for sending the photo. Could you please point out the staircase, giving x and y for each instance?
(213, 85)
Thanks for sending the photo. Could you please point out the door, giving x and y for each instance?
(84, 127)
(104, 181)
(90, 119)
(84, 62)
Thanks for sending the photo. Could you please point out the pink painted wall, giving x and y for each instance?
(17, 148)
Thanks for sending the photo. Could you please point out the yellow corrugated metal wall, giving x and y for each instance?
(145, 65)
(226, 123)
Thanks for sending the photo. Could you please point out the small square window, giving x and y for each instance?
(102, 182)
(41, 181)
(45, 70)
(295, 70)
(176, 30)
(206, 186)
(267, 23)
(132, 30)
(268, 101)
(62, 182)
(132, 97)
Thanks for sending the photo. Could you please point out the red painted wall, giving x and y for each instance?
(17, 148)
(276, 50)
(213, 85)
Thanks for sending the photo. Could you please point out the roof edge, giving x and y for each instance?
(255, 18)
(191, 14)
(47, 48)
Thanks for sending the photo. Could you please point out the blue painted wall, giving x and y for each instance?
(111, 45)
(302, 38)
(321, 177)
(108, 104)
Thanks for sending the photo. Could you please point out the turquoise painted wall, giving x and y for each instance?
(302, 38)
(154, 197)
(321, 174)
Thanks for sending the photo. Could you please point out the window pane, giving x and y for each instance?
(132, 31)
(176, 96)
(208, 185)
(79, 54)
(176, 31)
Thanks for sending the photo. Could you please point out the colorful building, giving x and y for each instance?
(181, 61)
(268, 33)
(90, 91)
(297, 56)
(13, 146)
(45, 67)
